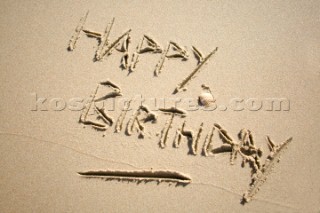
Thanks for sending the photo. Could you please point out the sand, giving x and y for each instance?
(59, 154)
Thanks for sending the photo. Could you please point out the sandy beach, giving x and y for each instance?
(171, 106)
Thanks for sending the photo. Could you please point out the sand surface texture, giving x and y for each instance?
(171, 106)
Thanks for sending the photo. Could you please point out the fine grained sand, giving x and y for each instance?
(265, 50)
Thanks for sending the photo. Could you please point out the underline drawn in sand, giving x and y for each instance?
(147, 45)
(140, 176)
(198, 141)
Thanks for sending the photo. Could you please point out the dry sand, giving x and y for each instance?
(265, 50)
